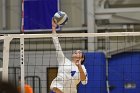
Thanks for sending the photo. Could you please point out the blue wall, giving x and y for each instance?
(124, 68)
(95, 65)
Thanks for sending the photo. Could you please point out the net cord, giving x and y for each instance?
(109, 34)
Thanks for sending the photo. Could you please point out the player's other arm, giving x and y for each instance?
(83, 74)
(57, 90)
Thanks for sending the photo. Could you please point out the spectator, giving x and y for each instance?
(6, 87)
(28, 88)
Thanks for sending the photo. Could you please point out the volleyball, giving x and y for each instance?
(60, 18)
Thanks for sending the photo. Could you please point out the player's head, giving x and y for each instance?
(78, 55)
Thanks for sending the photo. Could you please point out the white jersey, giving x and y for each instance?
(68, 74)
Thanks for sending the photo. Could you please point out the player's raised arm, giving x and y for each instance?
(59, 53)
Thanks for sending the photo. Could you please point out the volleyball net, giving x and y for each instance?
(33, 57)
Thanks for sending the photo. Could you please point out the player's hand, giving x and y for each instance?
(54, 25)
(78, 63)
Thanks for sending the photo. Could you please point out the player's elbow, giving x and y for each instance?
(84, 82)
(83, 78)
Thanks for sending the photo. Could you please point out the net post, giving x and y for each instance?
(22, 63)
(6, 46)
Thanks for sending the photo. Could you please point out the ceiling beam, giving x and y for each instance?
(116, 10)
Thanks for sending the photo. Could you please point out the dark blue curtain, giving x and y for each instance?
(38, 13)
(96, 69)
(124, 69)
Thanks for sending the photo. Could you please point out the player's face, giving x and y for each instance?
(77, 55)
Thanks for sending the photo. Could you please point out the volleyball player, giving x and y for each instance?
(70, 73)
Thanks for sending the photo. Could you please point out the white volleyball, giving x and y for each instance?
(60, 18)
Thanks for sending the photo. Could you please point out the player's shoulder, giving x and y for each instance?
(67, 61)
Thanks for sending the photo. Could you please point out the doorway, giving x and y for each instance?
(51, 74)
